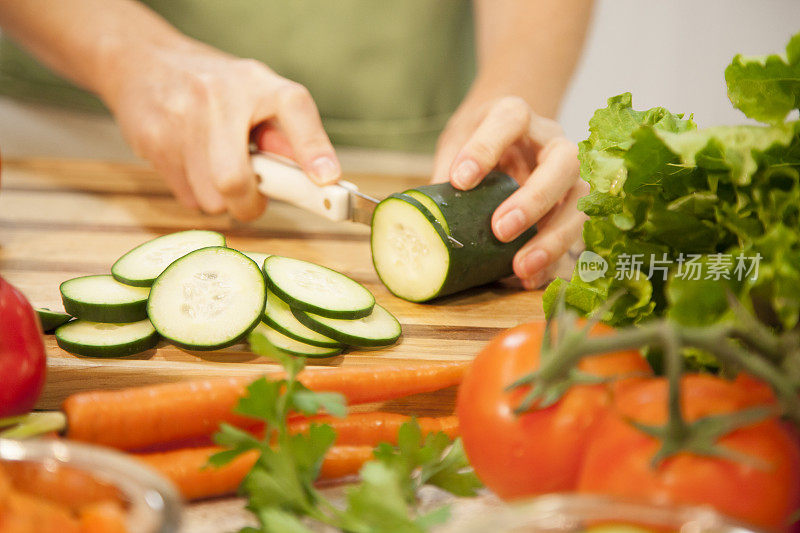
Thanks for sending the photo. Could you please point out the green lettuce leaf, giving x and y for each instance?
(766, 88)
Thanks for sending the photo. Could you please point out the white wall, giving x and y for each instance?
(673, 53)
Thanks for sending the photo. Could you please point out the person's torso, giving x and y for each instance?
(384, 74)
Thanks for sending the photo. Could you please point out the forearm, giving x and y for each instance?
(528, 48)
(87, 41)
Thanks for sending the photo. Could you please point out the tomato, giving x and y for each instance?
(22, 354)
(762, 490)
(539, 451)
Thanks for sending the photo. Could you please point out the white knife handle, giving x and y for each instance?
(288, 183)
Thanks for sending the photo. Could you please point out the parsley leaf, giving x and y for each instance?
(280, 486)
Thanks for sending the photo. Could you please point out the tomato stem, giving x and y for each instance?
(747, 345)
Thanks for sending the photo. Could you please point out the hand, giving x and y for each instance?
(507, 134)
(190, 109)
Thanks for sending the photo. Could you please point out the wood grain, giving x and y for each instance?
(62, 218)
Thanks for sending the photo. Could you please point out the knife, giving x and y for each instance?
(282, 179)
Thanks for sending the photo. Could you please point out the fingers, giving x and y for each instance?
(269, 138)
(171, 169)
(551, 179)
(562, 227)
(506, 122)
(219, 169)
(299, 119)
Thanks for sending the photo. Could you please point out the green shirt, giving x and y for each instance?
(384, 73)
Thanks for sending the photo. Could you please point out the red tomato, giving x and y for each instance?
(541, 450)
(22, 355)
(763, 491)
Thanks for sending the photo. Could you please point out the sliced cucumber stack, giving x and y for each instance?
(104, 299)
(317, 289)
(295, 347)
(207, 299)
(258, 257)
(278, 315)
(142, 265)
(50, 320)
(96, 339)
(379, 328)
(412, 253)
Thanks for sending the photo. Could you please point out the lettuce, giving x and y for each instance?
(668, 200)
(766, 88)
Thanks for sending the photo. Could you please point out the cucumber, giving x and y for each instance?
(50, 320)
(294, 347)
(379, 328)
(207, 299)
(97, 339)
(317, 289)
(412, 254)
(142, 265)
(278, 315)
(430, 205)
(258, 257)
(104, 299)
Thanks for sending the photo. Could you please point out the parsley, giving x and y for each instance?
(280, 486)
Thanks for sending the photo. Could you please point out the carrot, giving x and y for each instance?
(66, 486)
(343, 461)
(103, 517)
(143, 416)
(369, 429)
(23, 513)
(187, 469)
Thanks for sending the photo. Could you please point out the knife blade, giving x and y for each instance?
(282, 179)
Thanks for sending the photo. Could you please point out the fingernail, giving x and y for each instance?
(325, 169)
(465, 176)
(510, 225)
(532, 264)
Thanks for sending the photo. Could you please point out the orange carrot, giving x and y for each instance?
(187, 469)
(103, 517)
(143, 416)
(23, 513)
(343, 461)
(369, 429)
(67, 486)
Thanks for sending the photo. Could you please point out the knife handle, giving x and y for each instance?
(281, 179)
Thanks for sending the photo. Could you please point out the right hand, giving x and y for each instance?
(190, 110)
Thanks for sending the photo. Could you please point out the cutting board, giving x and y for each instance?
(65, 218)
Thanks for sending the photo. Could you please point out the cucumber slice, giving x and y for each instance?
(97, 339)
(207, 299)
(412, 254)
(379, 328)
(142, 265)
(258, 257)
(278, 315)
(317, 289)
(104, 299)
(294, 347)
(430, 205)
(50, 320)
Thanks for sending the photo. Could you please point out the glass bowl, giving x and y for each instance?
(152, 503)
(572, 513)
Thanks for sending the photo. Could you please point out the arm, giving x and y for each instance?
(527, 51)
(529, 48)
(184, 106)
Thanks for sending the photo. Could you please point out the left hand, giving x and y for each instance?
(507, 134)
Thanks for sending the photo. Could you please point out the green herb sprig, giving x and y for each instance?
(280, 487)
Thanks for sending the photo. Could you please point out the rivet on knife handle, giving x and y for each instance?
(288, 183)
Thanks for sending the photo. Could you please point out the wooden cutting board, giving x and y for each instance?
(65, 218)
